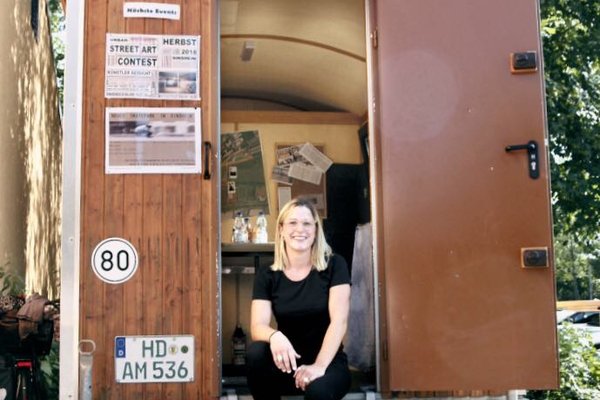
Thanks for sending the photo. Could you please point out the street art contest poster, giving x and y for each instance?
(162, 67)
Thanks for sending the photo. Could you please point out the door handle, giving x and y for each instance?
(207, 157)
(532, 156)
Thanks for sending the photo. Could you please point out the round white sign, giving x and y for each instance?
(114, 260)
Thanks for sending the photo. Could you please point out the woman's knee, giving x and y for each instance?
(258, 354)
(330, 387)
(321, 391)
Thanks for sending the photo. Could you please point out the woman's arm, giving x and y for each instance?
(339, 307)
(284, 355)
(260, 320)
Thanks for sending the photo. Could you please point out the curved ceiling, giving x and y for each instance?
(308, 55)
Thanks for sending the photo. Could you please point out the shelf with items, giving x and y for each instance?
(239, 264)
(245, 258)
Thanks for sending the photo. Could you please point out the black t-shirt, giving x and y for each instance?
(301, 307)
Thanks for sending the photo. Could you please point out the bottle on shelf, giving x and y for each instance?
(238, 341)
(247, 230)
(238, 227)
(260, 234)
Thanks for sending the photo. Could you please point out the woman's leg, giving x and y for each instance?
(265, 380)
(334, 384)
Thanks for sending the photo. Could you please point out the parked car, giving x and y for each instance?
(586, 320)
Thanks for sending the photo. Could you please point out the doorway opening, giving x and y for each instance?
(294, 75)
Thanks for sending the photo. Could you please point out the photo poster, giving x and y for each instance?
(306, 182)
(243, 184)
(153, 140)
(164, 67)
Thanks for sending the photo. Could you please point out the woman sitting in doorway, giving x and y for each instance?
(307, 289)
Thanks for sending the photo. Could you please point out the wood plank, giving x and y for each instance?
(133, 290)
(92, 293)
(192, 221)
(172, 268)
(133, 226)
(113, 217)
(211, 363)
(153, 233)
(579, 305)
(152, 269)
(290, 117)
(192, 286)
(113, 293)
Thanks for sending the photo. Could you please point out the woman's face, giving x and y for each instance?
(298, 230)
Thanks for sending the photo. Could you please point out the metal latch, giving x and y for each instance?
(532, 155)
(524, 62)
(534, 257)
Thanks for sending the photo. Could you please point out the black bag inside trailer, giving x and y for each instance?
(7, 377)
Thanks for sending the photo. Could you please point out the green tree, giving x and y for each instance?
(577, 265)
(56, 18)
(571, 39)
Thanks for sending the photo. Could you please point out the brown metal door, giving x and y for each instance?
(454, 208)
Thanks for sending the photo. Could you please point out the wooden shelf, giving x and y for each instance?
(247, 247)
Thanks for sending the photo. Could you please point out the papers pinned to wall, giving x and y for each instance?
(304, 162)
(300, 172)
(315, 157)
(306, 173)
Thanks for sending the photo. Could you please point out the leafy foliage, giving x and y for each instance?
(51, 372)
(578, 267)
(579, 368)
(571, 37)
(12, 283)
(57, 27)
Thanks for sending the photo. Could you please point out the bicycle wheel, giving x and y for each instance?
(23, 384)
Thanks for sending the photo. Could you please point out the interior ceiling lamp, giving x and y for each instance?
(247, 50)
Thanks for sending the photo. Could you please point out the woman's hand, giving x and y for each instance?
(305, 374)
(284, 355)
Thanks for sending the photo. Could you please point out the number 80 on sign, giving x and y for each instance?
(114, 260)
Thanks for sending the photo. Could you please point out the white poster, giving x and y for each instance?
(151, 10)
(152, 67)
(153, 140)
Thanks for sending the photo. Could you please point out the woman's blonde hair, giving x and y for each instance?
(320, 250)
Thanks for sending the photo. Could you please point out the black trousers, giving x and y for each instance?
(267, 382)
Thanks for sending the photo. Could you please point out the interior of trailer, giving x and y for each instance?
(294, 73)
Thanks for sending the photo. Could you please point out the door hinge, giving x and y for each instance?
(374, 39)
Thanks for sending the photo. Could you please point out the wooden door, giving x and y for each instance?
(455, 210)
(171, 219)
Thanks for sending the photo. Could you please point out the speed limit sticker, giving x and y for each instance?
(114, 260)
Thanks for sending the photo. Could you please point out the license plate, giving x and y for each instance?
(144, 359)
